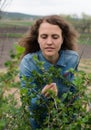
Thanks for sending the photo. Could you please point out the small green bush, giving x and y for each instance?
(66, 114)
(69, 113)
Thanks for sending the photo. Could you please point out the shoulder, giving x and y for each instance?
(27, 62)
(70, 57)
(70, 54)
(29, 57)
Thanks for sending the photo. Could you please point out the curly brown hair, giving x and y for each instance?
(70, 35)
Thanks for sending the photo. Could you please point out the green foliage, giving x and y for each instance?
(69, 113)
(12, 116)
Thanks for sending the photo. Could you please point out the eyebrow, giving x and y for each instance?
(43, 34)
(52, 34)
(55, 34)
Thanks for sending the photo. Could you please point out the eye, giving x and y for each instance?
(43, 36)
(55, 36)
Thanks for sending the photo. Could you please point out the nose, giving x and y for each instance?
(49, 40)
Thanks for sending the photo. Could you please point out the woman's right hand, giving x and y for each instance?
(51, 87)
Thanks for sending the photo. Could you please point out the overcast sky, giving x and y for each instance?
(46, 7)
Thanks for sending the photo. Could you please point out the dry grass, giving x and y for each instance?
(85, 65)
(16, 93)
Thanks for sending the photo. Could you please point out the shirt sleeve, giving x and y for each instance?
(72, 63)
(25, 71)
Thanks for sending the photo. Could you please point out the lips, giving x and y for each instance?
(49, 48)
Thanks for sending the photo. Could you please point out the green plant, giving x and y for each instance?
(12, 116)
(69, 113)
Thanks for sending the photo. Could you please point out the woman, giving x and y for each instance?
(53, 41)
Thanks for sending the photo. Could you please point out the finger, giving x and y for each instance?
(55, 91)
(47, 94)
(54, 88)
(50, 91)
(45, 89)
(51, 86)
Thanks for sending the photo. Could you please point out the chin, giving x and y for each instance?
(50, 55)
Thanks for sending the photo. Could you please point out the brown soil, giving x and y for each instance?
(13, 30)
(85, 50)
(6, 44)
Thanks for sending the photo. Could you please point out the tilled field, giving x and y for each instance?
(6, 44)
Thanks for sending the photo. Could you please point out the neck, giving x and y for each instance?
(52, 60)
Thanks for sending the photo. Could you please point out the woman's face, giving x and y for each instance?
(50, 40)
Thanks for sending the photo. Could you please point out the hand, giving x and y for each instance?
(51, 87)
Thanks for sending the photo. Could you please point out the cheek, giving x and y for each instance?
(59, 45)
(40, 44)
(40, 41)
